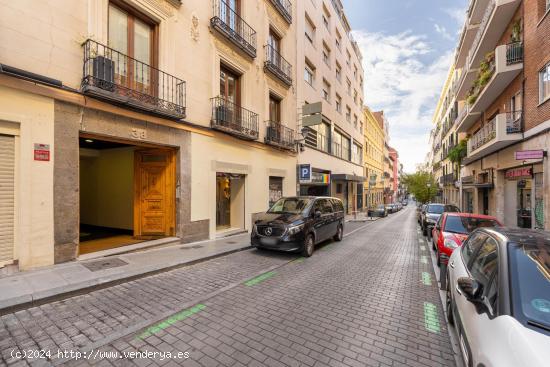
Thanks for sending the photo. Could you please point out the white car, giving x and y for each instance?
(498, 297)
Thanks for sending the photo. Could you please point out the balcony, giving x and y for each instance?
(448, 179)
(507, 64)
(496, 18)
(503, 130)
(467, 36)
(233, 119)
(114, 76)
(476, 10)
(277, 65)
(284, 7)
(280, 136)
(230, 25)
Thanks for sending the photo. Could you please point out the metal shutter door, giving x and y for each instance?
(7, 209)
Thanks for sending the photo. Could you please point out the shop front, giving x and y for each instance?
(345, 187)
(524, 194)
(317, 183)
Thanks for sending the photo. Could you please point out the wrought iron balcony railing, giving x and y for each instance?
(484, 135)
(449, 179)
(281, 136)
(227, 22)
(514, 122)
(285, 8)
(277, 65)
(110, 74)
(233, 119)
(514, 53)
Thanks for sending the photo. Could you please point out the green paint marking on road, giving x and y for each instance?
(170, 321)
(298, 260)
(260, 278)
(431, 319)
(423, 260)
(426, 278)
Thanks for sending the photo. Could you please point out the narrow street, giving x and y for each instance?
(370, 300)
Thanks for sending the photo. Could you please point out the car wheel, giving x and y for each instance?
(309, 245)
(449, 303)
(339, 233)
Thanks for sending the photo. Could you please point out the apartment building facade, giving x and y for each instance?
(503, 93)
(394, 184)
(374, 159)
(135, 120)
(330, 71)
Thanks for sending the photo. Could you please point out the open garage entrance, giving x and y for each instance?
(127, 193)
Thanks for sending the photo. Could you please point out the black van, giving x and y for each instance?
(299, 223)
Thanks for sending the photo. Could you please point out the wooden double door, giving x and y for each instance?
(154, 193)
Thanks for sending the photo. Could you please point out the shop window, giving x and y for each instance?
(275, 189)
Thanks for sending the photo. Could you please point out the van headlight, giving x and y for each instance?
(295, 229)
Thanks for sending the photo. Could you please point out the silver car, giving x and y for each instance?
(498, 297)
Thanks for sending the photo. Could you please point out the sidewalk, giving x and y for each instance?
(32, 287)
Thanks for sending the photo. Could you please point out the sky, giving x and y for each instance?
(407, 48)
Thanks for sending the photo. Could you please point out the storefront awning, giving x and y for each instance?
(346, 177)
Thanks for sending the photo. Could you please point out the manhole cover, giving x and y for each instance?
(104, 264)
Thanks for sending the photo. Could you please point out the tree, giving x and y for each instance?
(422, 185)
(457, 154)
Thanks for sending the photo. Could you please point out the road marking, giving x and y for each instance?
(298, 260)
(426, 278)
(260, 278)
(172, 320)
(423, 260)
(422, 248)
(431, 318)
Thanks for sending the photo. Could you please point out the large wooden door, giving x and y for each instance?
(154, 193)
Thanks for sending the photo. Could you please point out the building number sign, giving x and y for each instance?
(140, 134)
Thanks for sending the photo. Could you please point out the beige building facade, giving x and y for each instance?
(374, 158)
(329, 69)
(131, 121)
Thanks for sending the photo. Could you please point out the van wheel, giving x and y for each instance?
(339, 233)
(309, 245)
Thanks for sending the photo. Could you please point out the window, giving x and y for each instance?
(348, 83)
(309, 74)
(471, 245)
(345, 148)
(325, 22)
(338, 72)
(544, 83)
(274, 109)
(326, 91)
(326, 206)
(338, 40)
(355, 71)
(355, 121)
(338, 103)
(348, 58)
(485, 262)
(361, 127)
(339, 188)
(355, 96)
(348, 114)
(274, 41)
(309, 30)
(133, 36)
(326, 54)
(229, 86)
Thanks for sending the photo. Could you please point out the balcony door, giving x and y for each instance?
(274, 46)
(230, 11)
(231, 95)
(132, 39)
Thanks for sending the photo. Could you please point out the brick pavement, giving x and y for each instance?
(361, 302)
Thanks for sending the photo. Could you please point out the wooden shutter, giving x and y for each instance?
(7, 200)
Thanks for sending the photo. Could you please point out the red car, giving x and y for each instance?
(453, 228)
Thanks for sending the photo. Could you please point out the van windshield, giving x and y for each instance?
(290, 205)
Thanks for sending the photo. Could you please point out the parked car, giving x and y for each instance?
(389, 208)
(379, 211)
(297, 224)
(431, 215)
(498, 297)
(453, 228)
(419, 209)
(405, 202)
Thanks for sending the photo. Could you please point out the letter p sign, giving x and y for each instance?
(304, 173)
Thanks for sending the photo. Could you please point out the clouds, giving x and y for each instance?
(443, 32)
(404, 77)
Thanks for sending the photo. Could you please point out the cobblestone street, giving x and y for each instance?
(366, 301)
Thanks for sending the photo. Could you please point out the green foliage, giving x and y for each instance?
(516, 31)
(422, 185)
(458, 152)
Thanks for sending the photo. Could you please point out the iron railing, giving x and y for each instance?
(113, 75)
(285, 8)
(226, 21)
(514, 122)
(487, 133)
(233, 119)
(514, 53)
(278, 65)
(279, 135)
(449, 179)
(482, 25)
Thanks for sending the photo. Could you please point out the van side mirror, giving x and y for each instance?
(472, 289)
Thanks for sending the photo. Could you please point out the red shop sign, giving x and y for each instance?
(42, 152)
(519, 173)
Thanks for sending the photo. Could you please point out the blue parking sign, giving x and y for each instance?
(304, 173)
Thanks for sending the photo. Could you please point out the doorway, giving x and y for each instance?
(127, 193)
(524, 203)
(230, 204)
